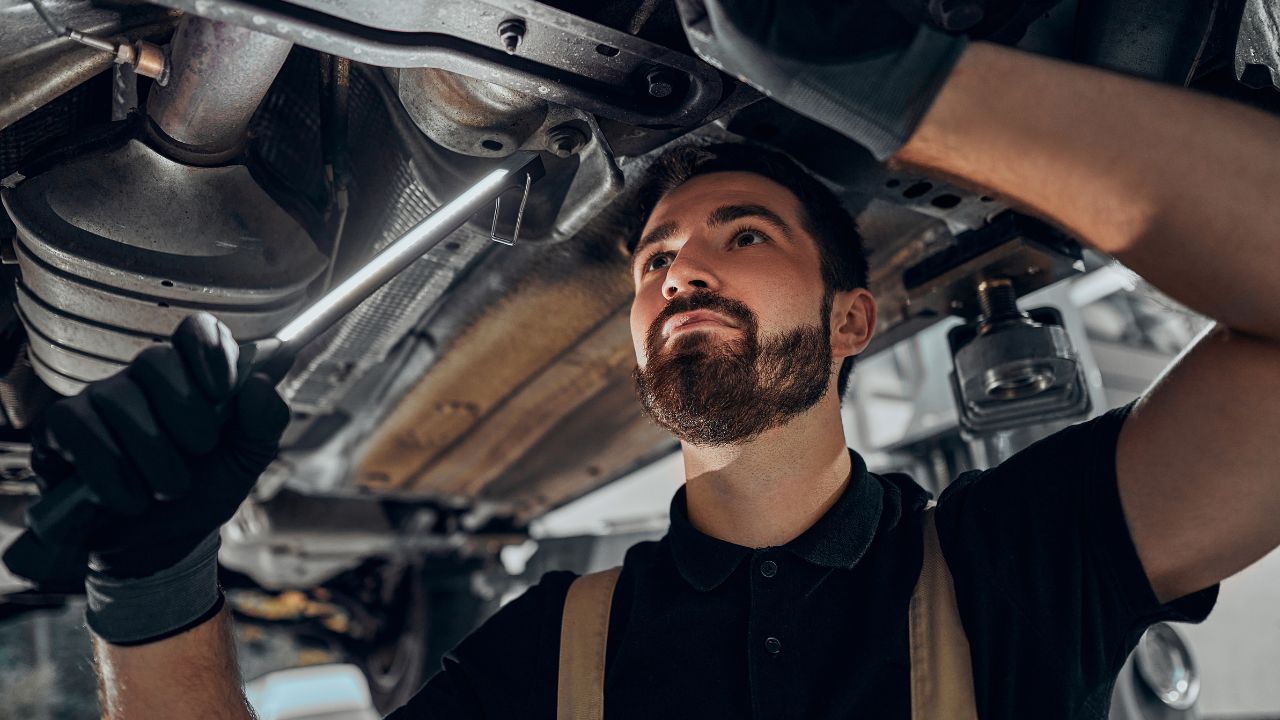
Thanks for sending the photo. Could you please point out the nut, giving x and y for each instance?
(565, 140)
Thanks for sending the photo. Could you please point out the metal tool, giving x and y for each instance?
(68, 507)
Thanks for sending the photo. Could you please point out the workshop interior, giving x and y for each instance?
(469, 422)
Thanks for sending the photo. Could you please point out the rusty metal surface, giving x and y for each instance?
(151, 61)
(37, 67)
(477, 118)
(219, 75)
(397, 182)
(469, 116)
(104, 274)
(605, 438)
(520, 421)
(66, 68)
(562, 58)
(517, 339)
(934, 275)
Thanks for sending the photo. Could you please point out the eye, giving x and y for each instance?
(657, 261)
(747, 238)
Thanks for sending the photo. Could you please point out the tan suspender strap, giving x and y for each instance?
(584, 635)
(941, 670)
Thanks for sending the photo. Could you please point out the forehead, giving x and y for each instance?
(692, 201)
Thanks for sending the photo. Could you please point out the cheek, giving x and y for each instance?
(641, 317)
(778, 309)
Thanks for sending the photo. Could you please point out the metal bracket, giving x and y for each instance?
(497, 205)
(562, 58)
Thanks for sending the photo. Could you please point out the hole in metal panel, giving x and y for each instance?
(917, 190)
(946, 201)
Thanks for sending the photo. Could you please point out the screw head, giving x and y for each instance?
(565, 140)
(661, 83)
(511, 32)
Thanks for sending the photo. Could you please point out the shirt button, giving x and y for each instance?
(768, 568)
(773, 645)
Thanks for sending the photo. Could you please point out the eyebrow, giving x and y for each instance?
(722, 215)
(663, 232)
(726, 214)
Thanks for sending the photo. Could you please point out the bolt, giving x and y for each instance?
(997, 299)
(511, 32)
(661, 83)
(565, 140)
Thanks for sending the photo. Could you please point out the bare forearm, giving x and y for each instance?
(1195, 464)
(1180, 187)
(193, 674)
(1177, 185)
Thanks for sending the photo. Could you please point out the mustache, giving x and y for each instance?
(699, 300)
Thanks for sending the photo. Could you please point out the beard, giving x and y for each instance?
(708, 391)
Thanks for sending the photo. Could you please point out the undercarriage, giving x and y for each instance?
(244, 156)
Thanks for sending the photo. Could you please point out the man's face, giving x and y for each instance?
(730, 321)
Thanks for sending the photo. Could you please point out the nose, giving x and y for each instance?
(687, 274)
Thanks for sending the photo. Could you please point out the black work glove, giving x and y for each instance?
(169, 447)
(860, 67)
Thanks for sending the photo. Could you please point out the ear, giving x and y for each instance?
(853, 322)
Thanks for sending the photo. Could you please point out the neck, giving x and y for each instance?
(768, 491)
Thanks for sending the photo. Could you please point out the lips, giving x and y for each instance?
(695, 318)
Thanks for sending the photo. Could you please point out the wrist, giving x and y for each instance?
(880, 102)
(874, 89)
(135, 611)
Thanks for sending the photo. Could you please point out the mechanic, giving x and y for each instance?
(782, 588)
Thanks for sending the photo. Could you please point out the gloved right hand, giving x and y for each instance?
(868, 69)
(169, 447)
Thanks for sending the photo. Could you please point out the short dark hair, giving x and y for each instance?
(842, 257)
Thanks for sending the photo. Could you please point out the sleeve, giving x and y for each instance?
(506, 668)
(1039, 547)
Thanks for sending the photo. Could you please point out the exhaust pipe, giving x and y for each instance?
(219, 75)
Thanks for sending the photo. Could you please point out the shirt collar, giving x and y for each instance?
(838, 540)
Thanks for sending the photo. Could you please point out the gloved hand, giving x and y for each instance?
(860, 67)
(170, 447)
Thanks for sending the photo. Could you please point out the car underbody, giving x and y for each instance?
(488, 384)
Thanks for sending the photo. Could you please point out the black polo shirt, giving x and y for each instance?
(1050, 591)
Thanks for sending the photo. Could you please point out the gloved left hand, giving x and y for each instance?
(860, 67)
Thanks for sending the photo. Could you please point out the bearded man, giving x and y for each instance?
(787, 586)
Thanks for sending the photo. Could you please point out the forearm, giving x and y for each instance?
(193, 674)
(1179, 186)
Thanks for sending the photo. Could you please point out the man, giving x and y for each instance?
(781, 589)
